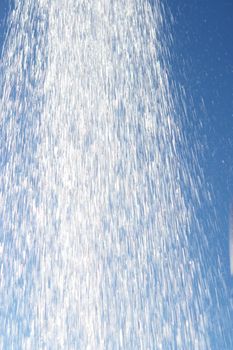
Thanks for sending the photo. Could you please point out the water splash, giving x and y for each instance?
(98, 195)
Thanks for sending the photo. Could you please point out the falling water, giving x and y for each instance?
(97, 186)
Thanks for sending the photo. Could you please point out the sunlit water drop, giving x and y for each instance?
(98, 186)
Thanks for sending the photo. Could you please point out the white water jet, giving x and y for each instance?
(97, 197)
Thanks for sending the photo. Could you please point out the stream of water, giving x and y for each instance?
(98, 184)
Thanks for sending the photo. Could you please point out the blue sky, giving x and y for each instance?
(203, 31)
(4, 6)
(203, 49)
(203, 43)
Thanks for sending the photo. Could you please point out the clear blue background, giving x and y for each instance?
(203, 37)
(4, 8)
(203, 33)
(203, 46)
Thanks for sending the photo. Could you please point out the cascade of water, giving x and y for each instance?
(96, 195)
